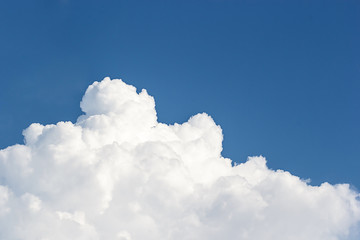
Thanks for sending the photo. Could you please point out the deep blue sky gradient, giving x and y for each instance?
(282, 78)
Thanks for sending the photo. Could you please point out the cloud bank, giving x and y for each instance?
(117, 173)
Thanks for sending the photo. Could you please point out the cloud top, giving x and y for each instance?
(117, 173)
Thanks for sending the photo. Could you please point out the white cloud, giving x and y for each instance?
(119, 174)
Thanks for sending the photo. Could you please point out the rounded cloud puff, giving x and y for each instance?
(119, 174)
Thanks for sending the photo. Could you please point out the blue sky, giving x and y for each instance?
(281, 78)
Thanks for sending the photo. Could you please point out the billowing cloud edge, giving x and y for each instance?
(117, 173)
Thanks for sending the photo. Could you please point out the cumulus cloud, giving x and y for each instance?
(117, 173)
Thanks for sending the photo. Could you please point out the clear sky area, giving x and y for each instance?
(281, 78)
